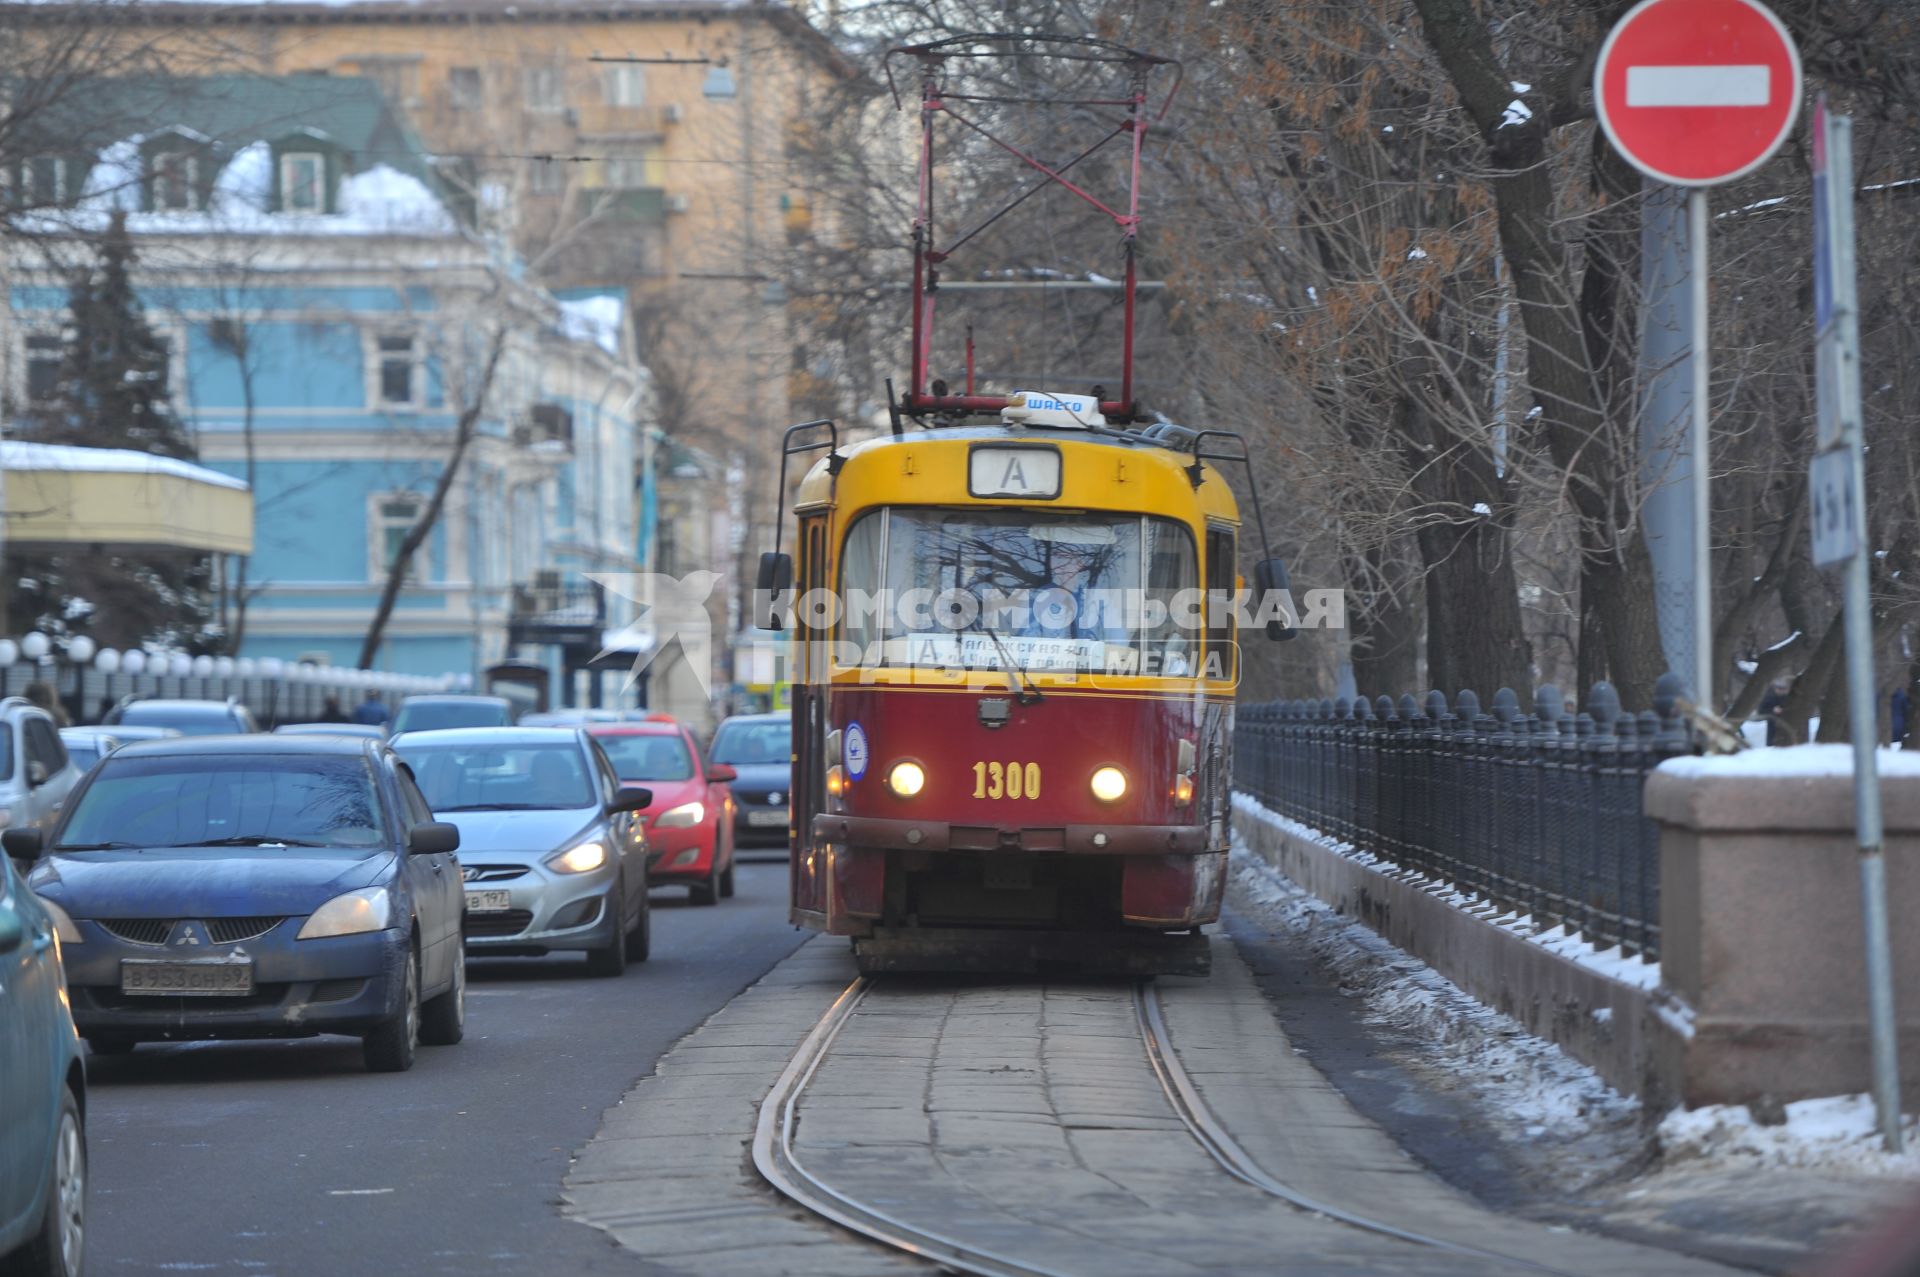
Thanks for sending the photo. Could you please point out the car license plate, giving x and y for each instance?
(766, 818)
(213, 978)
(489, 901)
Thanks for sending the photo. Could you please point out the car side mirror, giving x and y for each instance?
(1270, 578)
(37, 773)
(721, 773)
(771, 587)
(631, 798)
(432, 837)
(24, 845)
(12, 930)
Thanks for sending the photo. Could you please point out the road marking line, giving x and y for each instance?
(357, 1192)
(1699, 85)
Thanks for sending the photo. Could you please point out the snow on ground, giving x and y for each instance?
(1838, 1133)
(1543, 1093)
(1788, 761)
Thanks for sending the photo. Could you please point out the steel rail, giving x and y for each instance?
(774, 1157)
(1212, 1136)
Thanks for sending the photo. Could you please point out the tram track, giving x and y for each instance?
(778, 1161)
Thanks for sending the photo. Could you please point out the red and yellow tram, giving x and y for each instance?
(1014, 670)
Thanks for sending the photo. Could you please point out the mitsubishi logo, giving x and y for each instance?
(187, 933)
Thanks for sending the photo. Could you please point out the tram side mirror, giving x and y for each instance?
(1273, 599)
(771, 589)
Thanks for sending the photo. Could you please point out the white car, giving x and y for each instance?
(36, 775)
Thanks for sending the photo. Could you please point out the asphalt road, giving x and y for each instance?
(285, 1158)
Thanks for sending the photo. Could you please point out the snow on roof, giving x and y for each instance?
(19, 455)
(594, 319)
(1793, 760)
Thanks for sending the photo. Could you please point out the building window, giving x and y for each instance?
(399, 370)
(303, 182)
(398, 77)
(45, 181)
(549, 176)
(175, 182)
(543, 90)
(626, 172)
(45, 356)
(625, 84)
(394, 515)
(464, 88)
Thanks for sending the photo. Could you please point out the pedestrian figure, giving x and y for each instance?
(1772, 708)
(41, 693)
(371, 711)
(330, 711)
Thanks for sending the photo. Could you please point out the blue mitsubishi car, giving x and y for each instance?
(255, 886)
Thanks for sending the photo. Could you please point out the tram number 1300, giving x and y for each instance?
(1006, 780)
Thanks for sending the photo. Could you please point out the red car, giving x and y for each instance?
(690, 821)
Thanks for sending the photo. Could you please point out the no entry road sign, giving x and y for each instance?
(1697, 92)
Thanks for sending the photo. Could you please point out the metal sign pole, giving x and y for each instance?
(1840, 539)
(1697, 223)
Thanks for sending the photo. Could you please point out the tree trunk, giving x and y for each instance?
(1385, 628)
(423, 527)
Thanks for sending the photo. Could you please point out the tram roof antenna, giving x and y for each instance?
(937, 99)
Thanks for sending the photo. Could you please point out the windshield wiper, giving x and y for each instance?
(494, 807)
(1025, 692)
(96, 846)
(248, 840)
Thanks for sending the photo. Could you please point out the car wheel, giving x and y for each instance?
(640, 939)
(726, 877)
(110, 1044)
(708, 892)
(58, 1249)
(390, 1048)
(443, 1020)
(612, 960)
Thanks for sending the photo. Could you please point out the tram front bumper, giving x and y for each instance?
(940, 835)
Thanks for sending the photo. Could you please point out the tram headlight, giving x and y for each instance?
(906, 779)
(836, 780)
(1182, 790)
(1109, 784)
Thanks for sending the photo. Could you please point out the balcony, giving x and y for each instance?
(549, 612)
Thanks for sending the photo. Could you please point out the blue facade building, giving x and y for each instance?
(339, 332)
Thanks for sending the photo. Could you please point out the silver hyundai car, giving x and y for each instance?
(553, 854)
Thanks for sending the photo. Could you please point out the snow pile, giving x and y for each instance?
(1614, 963)
(17, 454)
(385, 199)
(245, 185)
(593, 319)
(114, 181)
(1543, 1093)
(1790, 761)
(1838, 1133)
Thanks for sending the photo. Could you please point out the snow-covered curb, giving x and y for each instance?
(1613, 963)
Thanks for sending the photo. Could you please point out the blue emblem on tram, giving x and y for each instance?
(855, 751)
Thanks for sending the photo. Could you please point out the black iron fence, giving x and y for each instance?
(1539, 812)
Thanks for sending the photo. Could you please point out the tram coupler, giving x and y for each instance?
(1012, 951)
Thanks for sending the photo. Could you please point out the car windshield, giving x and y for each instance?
(436, 716)
(649, 757)
(990, 589)
(83, 756)
(751, 743)
(188, 720)
(198, 800)
(469, 777)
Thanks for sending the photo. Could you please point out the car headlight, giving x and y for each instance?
(62, 925)
(579, 859)
(1109, 784)
(356, 912)
(685, 816)
(906, 779)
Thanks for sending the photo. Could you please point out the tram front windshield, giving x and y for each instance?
(999, 588)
